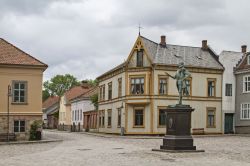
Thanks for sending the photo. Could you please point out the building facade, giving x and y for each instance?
(65, 113)
(229, 59)
(23, 74)
(242, 99)
(133, 95)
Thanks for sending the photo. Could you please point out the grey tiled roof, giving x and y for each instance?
(174, 54)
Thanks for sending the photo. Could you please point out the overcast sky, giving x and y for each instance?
(88, 37)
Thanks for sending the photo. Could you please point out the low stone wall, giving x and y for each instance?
(29, 119)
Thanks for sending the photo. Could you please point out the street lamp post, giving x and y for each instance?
(8, 112)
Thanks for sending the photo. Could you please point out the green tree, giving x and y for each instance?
(94, 100)
(91, 82)
(57, 85)
(46, 94)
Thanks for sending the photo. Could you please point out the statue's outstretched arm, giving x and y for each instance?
(170, 75)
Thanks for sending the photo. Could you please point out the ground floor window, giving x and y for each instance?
(162, 117)
(119, 118)
(19, 126)
(245, 111)
(138, 117)
(211, 117)
(109, 118)
(103, 119)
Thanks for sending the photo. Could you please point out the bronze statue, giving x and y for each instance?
(181, 75)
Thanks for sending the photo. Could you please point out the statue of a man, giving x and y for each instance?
(181, 75)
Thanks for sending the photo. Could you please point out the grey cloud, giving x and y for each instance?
(87, 38)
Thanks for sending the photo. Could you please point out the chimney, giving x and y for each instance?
(204, 44)
(163, 41)
(85, 84)
(244, 48)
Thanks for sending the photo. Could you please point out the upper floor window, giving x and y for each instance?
(119, 87)
(139, 58)
(211, 87)
(248, 59)
(137, 85)
(246, 84)
(228, 90)
(102, 92)
(162, 86)
(110, 90)
(19, 91)
(245, 111)
(188, 82)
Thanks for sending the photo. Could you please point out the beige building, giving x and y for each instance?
(132, 96)
(23, 74)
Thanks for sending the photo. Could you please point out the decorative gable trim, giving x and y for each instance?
(138, 46)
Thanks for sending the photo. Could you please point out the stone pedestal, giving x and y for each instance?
(178, 125)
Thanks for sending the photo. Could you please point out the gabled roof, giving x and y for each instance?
(11, 55)
(86, 95)
(50, 101)
(75, 92)
(174, 54)
(243, 64)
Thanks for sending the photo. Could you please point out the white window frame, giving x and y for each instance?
(247, 110)
(19, 126)
(248, 81)
(248, 59)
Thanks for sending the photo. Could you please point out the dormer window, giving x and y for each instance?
(139, 58)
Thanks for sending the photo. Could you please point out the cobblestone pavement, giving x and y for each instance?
(82, 149)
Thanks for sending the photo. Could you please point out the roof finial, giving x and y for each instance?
(139, 27)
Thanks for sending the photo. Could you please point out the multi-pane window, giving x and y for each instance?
(211, 117)
(137, 85)
(73, 115)
(162, 86)
(162, 117)
(138, 117)
(211, 87)
(80, 114)
(102, 93)
(100, 118)
(245, 111)
(139, 58)
(119, 117)
(188, 86)
(19, 126)
(110, 90)
(109, 117)
(119, 87)
(19, 91)
(103, 119)
(246, 84)
(228, 90)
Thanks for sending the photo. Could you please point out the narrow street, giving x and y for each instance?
(82, 149)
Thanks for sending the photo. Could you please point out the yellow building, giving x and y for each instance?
(23, 74)
(133, 94)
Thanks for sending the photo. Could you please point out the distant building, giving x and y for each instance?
(50, 112)
(24, 74)
(133, 95)
(65, 115)
(229, 59)
(79, 105)
(242, 99)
